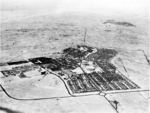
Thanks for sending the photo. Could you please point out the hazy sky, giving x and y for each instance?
(130, 6)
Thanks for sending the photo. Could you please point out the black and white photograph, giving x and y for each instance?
(74, 56)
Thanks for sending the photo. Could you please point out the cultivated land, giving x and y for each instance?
(47, 35)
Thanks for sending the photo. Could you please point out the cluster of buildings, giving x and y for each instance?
(82, 68)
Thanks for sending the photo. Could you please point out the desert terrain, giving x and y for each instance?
(30, 34)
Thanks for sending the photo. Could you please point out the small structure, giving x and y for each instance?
(42, 71)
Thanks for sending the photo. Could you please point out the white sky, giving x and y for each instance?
(130, 6)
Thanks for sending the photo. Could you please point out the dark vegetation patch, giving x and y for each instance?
(17, 62)
(69, 59)
(126, 24)
(79, 52)
(42, 60)
(48, 63)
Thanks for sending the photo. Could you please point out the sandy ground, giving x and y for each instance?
(44, 34)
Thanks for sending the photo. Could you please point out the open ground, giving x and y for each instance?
(43, 34)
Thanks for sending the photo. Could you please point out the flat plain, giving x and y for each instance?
(30, 34)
